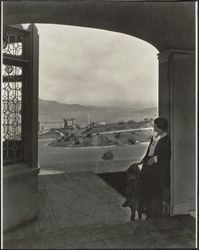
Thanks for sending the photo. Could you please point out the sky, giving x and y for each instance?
(96, 67)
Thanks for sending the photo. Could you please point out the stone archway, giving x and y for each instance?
(158, 23)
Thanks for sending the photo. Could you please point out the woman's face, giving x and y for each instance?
(156, 129)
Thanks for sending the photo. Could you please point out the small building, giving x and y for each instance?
(69, 123)
(92, 125)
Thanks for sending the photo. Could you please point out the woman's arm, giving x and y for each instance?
(163, 152)
(146, 154)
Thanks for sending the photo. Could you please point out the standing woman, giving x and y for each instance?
(155, 173)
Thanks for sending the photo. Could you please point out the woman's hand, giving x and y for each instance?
(151, 162)
(140, 162)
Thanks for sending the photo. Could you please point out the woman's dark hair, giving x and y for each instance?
(161, 123)
(133, 169)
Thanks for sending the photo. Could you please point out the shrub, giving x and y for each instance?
(131, 122)
(88, 135)
(117, 136)
(131, 141)
(121, 122)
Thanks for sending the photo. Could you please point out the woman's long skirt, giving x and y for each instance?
(151, 190)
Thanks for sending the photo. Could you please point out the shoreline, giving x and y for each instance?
(96, 147)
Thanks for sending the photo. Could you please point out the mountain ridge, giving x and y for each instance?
(75, 105)
(53, 110)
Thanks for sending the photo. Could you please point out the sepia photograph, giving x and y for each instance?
(99, 124)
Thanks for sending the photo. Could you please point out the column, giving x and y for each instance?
(177, 104)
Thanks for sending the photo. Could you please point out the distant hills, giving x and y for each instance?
(149, 111)
(55, 111)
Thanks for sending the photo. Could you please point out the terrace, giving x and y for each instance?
(80, 210)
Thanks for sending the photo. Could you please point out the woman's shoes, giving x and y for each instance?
(148, 217)
(132, 218)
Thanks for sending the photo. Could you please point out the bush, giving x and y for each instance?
(88, 135)
(121, 122)
(117, 136)
(131, 122)
(131, 141)
(107, 155)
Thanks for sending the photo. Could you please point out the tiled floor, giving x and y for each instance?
(80, 210)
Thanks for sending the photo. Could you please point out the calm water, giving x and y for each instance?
(105, 117)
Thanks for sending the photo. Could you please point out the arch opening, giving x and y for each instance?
(121, 69)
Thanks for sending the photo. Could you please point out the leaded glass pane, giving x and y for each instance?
(12, 113)
(12, 44)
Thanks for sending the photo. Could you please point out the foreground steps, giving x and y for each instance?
(169, 232)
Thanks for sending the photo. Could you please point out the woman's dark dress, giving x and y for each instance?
(155, 178)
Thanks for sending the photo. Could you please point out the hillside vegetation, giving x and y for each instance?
(106, 135)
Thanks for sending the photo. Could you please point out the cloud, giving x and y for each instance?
(96, 67)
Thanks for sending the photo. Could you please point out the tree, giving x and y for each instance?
(121, 122)
(131, 122)
(117, 136)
